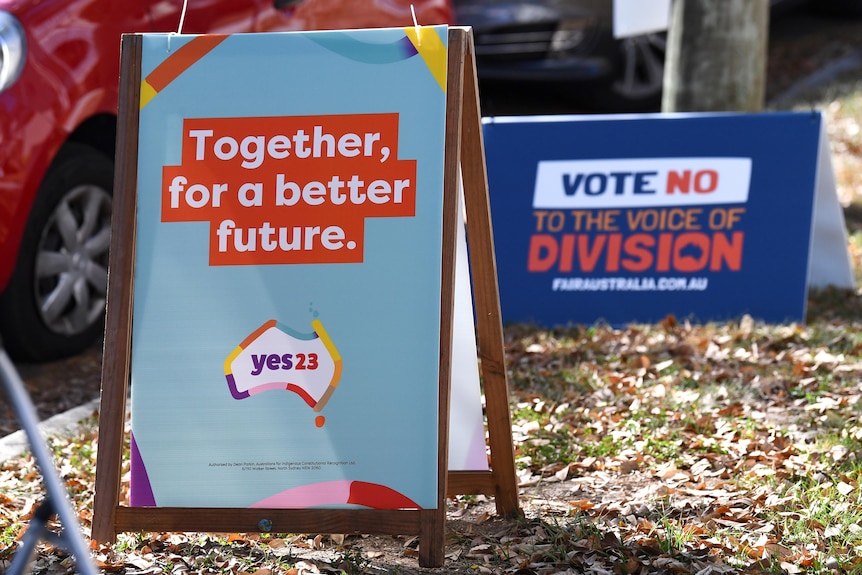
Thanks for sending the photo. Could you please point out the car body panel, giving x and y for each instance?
(344, 14)
(70, 76)
(73, 62)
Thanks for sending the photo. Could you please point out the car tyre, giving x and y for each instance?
(54, 304)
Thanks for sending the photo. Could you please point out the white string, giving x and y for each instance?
(183, 16)
(416, 26)
(180, 27)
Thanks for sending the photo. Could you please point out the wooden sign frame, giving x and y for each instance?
(464, 150)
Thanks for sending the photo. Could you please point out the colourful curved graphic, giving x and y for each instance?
(275, 356)
(433, 51)
(420, 40)
(365, 52)
(141, 490)
(338, 492)
(177, 63)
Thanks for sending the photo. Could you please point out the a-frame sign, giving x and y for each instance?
(336, 491)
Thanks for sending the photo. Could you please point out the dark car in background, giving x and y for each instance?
(542, 42)
(567, 44)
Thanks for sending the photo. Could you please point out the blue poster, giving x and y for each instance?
(625, 219)
(286, 322)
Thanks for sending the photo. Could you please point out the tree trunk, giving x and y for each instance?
(716, 57)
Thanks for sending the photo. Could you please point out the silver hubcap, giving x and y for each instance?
(72, 261)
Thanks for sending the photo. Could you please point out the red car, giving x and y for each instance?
(59, 68)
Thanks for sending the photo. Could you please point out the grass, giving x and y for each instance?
(763, 410)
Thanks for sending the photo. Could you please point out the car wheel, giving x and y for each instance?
(54, 304)
(636, 85)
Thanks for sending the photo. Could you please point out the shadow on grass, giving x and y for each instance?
(853, 218)
(834, 305)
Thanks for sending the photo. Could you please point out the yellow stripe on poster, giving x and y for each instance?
(431, 48)
(147, 93)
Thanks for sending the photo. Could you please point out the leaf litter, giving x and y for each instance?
(669, 448)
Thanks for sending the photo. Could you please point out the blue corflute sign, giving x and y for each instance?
(633, 218)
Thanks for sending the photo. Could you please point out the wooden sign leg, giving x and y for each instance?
(483, 266)
(432, 536)
(432, 522)
(118, 322)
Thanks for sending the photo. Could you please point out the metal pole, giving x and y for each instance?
(58, 499)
